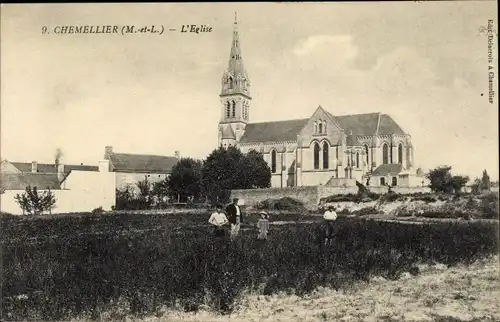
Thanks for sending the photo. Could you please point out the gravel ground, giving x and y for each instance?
(462, 293)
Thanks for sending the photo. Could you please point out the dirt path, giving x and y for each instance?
(438, 294)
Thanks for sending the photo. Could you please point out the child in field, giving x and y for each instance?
(263, 225)
(329, 216)
(218, 219)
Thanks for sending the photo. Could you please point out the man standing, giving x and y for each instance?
(218, 220)
(329, 216)
(235, 218)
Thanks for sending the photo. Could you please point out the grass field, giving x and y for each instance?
(137, 265)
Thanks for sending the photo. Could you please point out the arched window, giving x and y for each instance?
(326, 150)
(357, 159)
(367, 156)
(273, 161)
(324, 126)
(394, 181)
(315, 127)
(320, 127)
(316, 155)
(230, 82)
(400, 153)
(385, 154)
(234, 108)
(228, 109)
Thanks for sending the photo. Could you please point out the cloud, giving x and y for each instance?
(340, 44)
(323, 52)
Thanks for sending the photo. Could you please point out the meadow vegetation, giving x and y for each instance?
(133, 265)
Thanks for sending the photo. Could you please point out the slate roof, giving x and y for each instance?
(142, 163)
(51, 168)
(273, 131)
(41, 167)
(360, 125)
(385, 169)
(366, 124)
(19, 181)
(70, 167)
(352, 140)
(388, 126)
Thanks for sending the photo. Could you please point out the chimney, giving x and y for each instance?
(108, 150)
(104, 166)
(60, 171)
(178, 154)
(34, 167)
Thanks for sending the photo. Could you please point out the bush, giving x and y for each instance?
(427, 198)
(391, 197)
(489, 205)
(285, 203)
(366, 211)
(97, 210)
(367, 197)
(34, 203)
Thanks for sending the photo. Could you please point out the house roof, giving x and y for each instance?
(51, 168)
(386, 169)
(273, 131)
(142, 163)
(41, 167)
(70, 167)
(19, 181)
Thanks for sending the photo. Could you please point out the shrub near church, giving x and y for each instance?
(212, 180)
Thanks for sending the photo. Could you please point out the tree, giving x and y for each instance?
(458, 182)
(145, 197)
(485, 181)
(440, 179)
(160, 189)
(255, 171)
(125, 198)
(476, 186)
(35, 203)
(443, 181)
(228, 169)
(185, 180)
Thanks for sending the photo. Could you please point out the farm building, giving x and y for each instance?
(132, 168)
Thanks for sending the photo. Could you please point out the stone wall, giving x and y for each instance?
(310, 195)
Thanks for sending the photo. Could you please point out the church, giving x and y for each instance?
(324, 149)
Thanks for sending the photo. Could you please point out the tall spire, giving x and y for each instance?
(235, 79)
(235, 59)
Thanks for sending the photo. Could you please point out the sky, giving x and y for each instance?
(424, 64)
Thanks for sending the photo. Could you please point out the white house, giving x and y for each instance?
(76, 188)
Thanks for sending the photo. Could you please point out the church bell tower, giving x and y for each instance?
(234, 96)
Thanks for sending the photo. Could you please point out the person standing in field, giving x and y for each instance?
(218, 219)
(329, 216)
(235, 218)
(263, 225)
